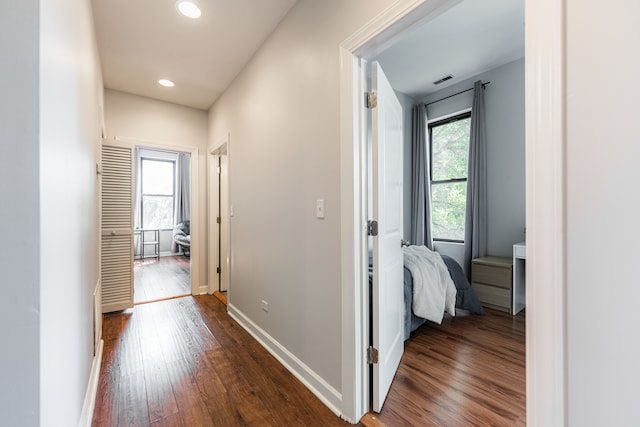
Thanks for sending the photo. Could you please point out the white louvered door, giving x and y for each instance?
(117, 228)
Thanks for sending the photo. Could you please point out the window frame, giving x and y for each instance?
(143, 194)
(443, 120)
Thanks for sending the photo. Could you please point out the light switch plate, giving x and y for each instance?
(320, 208)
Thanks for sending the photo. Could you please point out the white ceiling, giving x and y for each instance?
(142, 41)
(472, 37)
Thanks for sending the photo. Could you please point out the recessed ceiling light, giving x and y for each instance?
(166, 83)
(188, 9)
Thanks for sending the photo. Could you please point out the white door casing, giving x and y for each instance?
(116, 259)
(387, 290)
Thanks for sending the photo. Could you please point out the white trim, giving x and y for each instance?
(201, 290)
(353, 275)
(393, 23)
(196, 287)
(545, 87)
(92, 388)
(314, 382)
(375, 36)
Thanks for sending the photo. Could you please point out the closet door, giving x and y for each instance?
(117, 228)
(388, 264)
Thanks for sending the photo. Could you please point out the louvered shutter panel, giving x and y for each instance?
(117, 228)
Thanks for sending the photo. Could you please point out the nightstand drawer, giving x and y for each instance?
(496, 275)
(493, 296)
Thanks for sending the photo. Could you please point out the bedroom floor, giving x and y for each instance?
(468, 371)
(159, 279)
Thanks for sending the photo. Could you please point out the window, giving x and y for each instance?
(449, 164)
(157, 193)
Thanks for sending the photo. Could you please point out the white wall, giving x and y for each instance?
(283, 119)
(505, 113)
(49, 113)
(20, 213)
(602, 178)
(146, 119)
(70, 117)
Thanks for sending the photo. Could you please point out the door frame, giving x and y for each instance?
(194, 173)
(545, 87)
(213, 152)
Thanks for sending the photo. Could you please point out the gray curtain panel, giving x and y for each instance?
(475, 227)
(421, 180)
(182, 206)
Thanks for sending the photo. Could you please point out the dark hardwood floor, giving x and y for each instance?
(159, 279)
(470, 371)
(185, 362)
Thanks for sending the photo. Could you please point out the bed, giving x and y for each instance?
(465, 297)
(446, 288)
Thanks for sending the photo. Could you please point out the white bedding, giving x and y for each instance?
(433, 290)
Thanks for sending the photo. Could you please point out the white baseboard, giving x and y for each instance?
(329, 396)
(92, 388)
(202, 290)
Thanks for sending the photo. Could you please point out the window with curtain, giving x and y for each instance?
(449, 148)
(157, 195)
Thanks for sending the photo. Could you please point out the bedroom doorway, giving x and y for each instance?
(162, 217)
(220, 213)
(358, 49)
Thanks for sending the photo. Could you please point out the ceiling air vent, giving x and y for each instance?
(444, 79)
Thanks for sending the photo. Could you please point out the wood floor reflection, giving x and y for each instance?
(185, 362)
(159, 279)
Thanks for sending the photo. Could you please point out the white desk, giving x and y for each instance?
(519, 286)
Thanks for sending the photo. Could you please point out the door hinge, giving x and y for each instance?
(372, 228)
(218, 171)
(372, 100)
(372, 355)
(218, 220)
(218, 270)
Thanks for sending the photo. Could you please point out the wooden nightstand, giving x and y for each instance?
(492, 281)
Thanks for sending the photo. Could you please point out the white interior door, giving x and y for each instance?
(116, 259)
(387, 290)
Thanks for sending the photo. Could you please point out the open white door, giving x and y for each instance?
(117, 228)
(387, 291)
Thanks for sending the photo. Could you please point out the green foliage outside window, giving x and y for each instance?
(449, 164)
